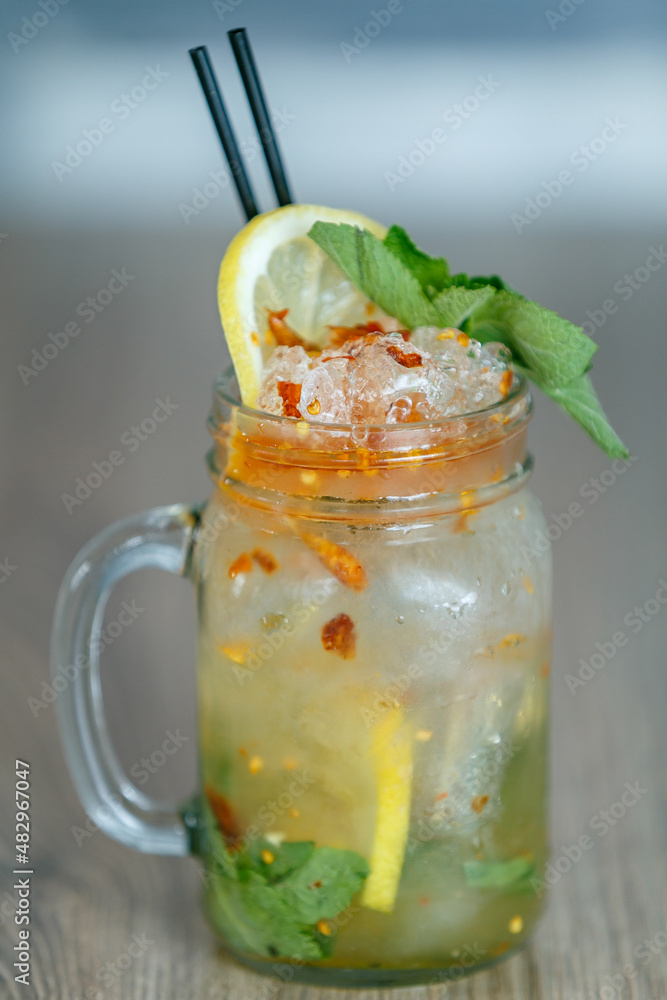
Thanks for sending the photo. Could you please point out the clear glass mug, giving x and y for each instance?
(374, 652)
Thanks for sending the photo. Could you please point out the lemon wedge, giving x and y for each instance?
(392, 756)
(270, 265)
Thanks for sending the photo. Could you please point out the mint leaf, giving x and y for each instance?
(376, 271)
(224, 906)
(287, 856)
(432, 273)
(552, 347)
(220, 860)
(491, 279)
(272, 908)
(283, 930)
(487, 332)
(514, 874)
(325, 884)
(580, 400)
(455, 304)
(462, 280)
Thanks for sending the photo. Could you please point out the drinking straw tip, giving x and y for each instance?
(213, 95)
(245, 61)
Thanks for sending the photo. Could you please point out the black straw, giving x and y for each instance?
(253, 88)
(213, 95)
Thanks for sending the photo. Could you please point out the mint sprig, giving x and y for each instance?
(274, 908)
(580, 400)
(419, 290)
(547, 345)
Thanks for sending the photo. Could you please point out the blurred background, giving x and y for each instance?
(111, 167)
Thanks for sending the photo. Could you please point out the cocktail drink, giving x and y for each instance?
(375, 622)
(374, 614)
(373, 672)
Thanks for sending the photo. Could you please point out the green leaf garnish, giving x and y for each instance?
(281, 932)
(273, 907)
(455, 304)
(287, 858)
(432, 273)
(580, 400)
(325, 884)
(419, 290)
(554, 349)
(513, 875)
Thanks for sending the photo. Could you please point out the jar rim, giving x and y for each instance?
(303, 466)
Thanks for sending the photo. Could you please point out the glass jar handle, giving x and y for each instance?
(162, 538)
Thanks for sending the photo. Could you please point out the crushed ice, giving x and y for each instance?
(377, 378)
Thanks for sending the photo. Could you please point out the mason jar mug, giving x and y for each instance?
(374, 648)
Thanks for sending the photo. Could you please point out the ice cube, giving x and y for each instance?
(394, 380)
(286, 364)
(325, 392)
(479, 730)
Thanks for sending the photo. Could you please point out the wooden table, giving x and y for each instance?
(161, 337)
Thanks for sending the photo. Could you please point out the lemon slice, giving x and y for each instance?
(271, 264)
(392, 754)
